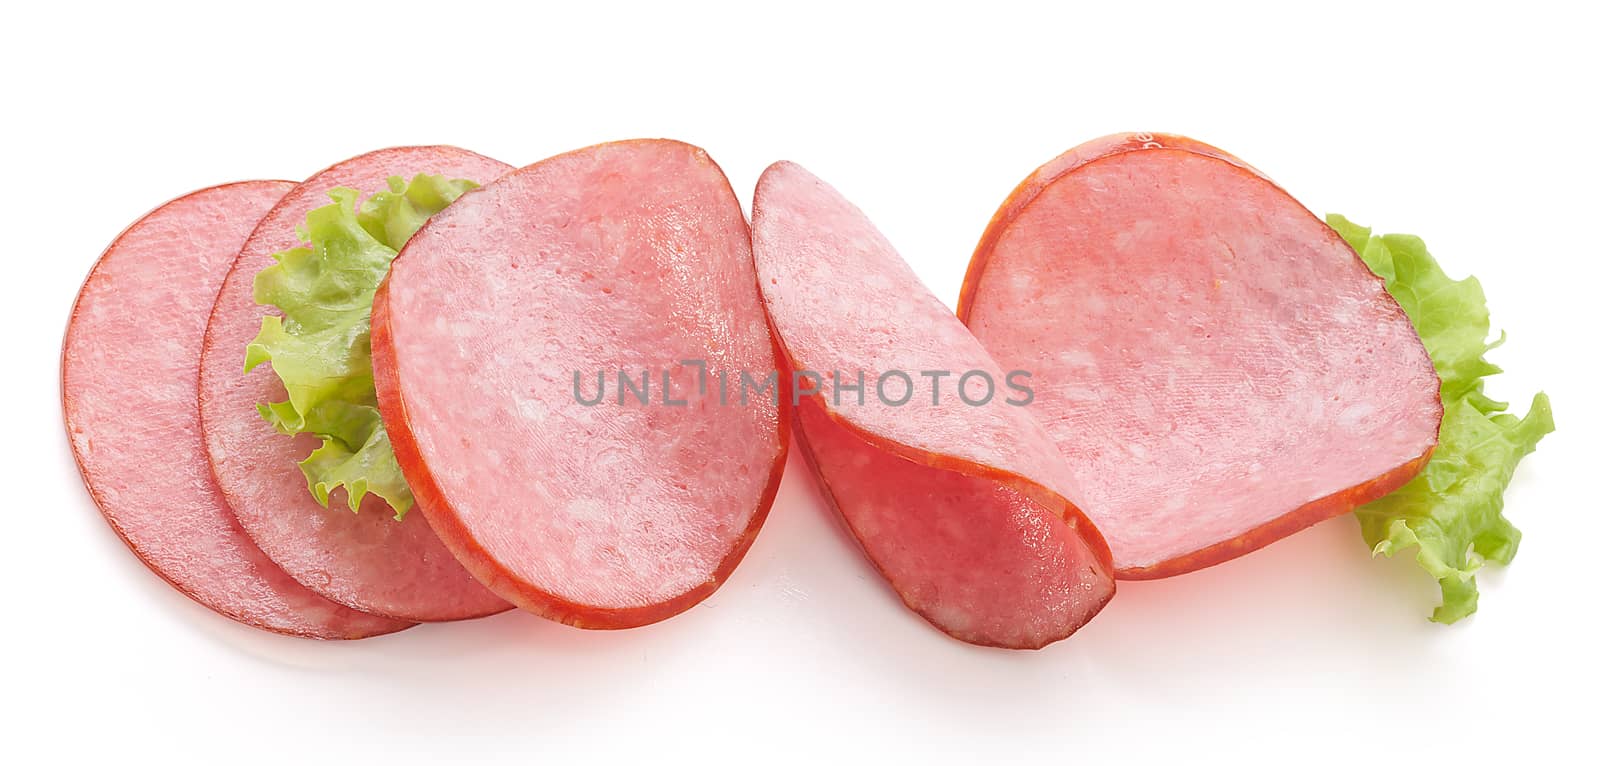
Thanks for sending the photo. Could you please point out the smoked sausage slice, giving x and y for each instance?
(1217, 366)
(585, 504)
(960, 500)
(128, 371)
(365, 560)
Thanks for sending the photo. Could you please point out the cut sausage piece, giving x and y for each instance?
(365, 560)
(964, 507)
(128, 368)
(629, 257)
(1215, 363)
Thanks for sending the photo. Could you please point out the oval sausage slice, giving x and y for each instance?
(366, 560)
(633, 258)
(128, 368)
(962, 502)
(1218, 367)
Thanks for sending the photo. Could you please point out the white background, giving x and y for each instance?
(1473, 129)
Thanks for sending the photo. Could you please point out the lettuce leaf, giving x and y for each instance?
(1452, 511)
(321, 347)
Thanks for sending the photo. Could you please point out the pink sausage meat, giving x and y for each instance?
(626, 257)
(128, 370)
(967, 510)
(364, 560)
(1216, 365)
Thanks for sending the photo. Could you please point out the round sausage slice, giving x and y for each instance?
(128, 369)
(589, 504)
(1218, 367)
(365, 560)
(954, 492)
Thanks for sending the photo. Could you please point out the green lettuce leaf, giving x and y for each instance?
(1452, 511)
(321, 347)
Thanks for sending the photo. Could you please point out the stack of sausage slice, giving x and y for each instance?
(1203, 368)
